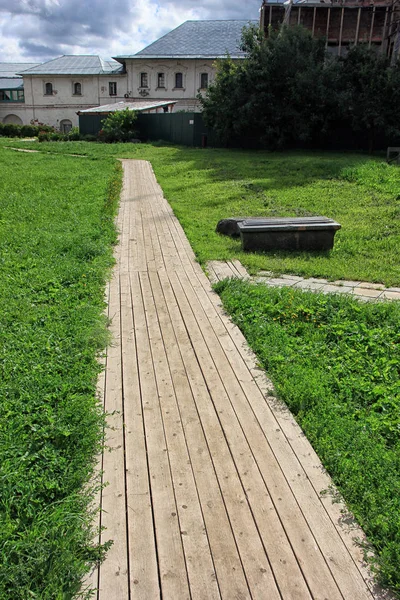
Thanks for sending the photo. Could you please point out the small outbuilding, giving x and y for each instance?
(90, 120)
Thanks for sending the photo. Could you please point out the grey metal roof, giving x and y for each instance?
(138, 105)
(8, 83)
(11, 69)
(197, 39)
(76, 65)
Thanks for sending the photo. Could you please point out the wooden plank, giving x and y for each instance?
(310, 559)
(144, 583)
(341, 564)
(228, 565)
(172, 569)
(201, 572)
(241, 269)
(113, 581)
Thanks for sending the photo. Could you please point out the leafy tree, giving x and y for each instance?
(278, 93)
(119, 126)
(370, 94)
(288, 91)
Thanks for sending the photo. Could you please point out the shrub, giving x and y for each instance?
(119, 126)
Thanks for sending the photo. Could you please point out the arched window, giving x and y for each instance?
(48, 89)
(179, 80)
(65, 125)
(15, 119)
(77, 89)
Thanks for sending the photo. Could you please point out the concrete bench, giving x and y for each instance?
(306, 233)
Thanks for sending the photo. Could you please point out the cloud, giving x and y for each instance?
(39, 30)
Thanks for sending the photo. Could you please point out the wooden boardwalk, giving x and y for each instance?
(213, 491)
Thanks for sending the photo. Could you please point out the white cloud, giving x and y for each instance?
(38, 30)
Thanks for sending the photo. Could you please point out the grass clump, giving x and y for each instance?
(335, 362)
(56, 235)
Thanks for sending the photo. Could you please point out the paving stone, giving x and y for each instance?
(336, 289)
(293, 277)
(306, 284)
(389, 295)
(346, 283)
(284, 282)
(317, 280)
(367, 292)
(371, 286)
(393, 289)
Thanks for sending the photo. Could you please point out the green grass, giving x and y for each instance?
(204, 186)
(56, 235)
(335, 363)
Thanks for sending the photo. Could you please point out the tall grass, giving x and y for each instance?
(56, 236)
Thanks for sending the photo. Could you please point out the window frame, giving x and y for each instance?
(112, 88)
(205, 76)
(161, 80)
(75, 87)
(144, 79)
(178, 87)
(48, 88)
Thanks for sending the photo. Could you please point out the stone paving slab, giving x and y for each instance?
(362, 290)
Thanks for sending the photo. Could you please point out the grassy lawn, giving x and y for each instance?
(204, 186)
(334, 361)
(56, 235)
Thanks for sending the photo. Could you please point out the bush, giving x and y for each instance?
(119, 126)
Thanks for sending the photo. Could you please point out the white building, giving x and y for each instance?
(174, 68)
(182, 63)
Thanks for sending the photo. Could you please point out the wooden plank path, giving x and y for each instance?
(213, 491)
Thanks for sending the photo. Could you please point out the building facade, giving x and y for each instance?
(175, 68)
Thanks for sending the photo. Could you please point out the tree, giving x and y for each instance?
(370, 94)
(278, 93)
(119, 126)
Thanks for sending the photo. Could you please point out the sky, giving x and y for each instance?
(39, 30)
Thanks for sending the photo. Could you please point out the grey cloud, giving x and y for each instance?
(47, 28)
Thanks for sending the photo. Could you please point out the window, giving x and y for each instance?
(5, 95)
(20, 96)
(161, 80)
(144, 80)
(178, 80)
(48, 89)
(203, 81)
(112, 88)
(77, 89)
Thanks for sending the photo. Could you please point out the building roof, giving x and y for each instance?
(10, 70)
(76, 65)
(10, 83)
(138, 105)
(197, 39)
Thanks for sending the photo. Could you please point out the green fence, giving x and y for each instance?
(187, 129)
